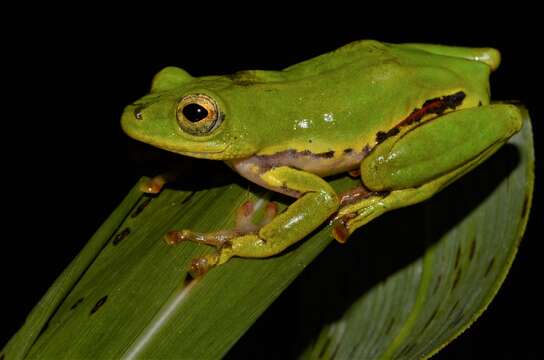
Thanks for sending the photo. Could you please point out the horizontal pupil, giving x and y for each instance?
(194, 112)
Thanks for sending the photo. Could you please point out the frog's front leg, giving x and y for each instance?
(417, 162)
(244, 225)
(317, 201)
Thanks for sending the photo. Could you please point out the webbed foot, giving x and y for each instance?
(251, 216)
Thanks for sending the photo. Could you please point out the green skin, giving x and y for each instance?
(356, 108)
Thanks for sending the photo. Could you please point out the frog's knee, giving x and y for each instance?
(490, 56)
(486, 55)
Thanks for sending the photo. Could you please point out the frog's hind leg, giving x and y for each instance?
(360, 212)
(403, 171)
(244, 225)
(358, 208)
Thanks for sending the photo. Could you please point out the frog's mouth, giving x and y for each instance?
(208, 154)
(436, 106)
(216, 154)
(188, 148)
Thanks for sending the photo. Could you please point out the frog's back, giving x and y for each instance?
(366, 53)
(363, 52)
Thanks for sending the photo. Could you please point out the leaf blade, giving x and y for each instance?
(466, 264)
(120, 296)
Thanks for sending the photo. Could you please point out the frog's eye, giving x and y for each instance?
(198, 114)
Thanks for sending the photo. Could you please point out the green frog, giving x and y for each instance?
(409, 119)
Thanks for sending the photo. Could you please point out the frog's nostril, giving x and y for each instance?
(138, 112)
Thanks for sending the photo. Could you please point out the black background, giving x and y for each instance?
(67, 164)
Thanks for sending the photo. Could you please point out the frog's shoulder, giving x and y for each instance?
(364, 52)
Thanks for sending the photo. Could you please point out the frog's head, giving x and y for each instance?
(186, 115)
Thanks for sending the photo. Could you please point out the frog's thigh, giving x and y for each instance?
(318, 201)
(415, 168)
(438, 146)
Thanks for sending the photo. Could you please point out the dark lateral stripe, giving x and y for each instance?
(381, 136)
(434, 106)
(328, 154)
(282, 157)
(292, 152)
(431, 106)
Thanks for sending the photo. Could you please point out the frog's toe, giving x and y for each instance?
(340, 227)
(174, 237)
(245, 215)
(201, 265)
(271, 211)
(217, 238)
(153, 185)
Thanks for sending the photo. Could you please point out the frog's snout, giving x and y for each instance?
(133, 112)
(132, 115)
(137, 111)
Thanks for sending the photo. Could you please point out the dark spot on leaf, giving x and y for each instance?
(188, 197)
(121, 236)
(456, 280)
(351, 353)
(44, 328)
(333, 355)
(453, 309)
(437, 285)
(525, 207)
(141, 207)
(458, 319)
(489, 267)
(188, 279)
(310, 141)
(347, 151)
(457, 257)
(79, 301)
(430, 320)
(390, 325)
(479, 103)
(406, 350)
(472, 249)
(324, 348)
(99, 304)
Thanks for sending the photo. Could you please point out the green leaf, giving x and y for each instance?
(124, 296)
(455, 252)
